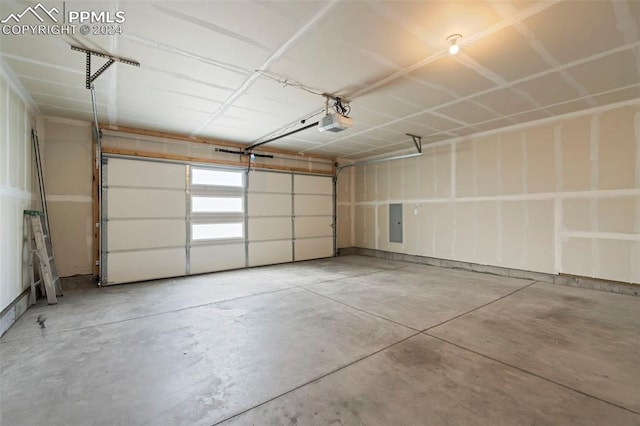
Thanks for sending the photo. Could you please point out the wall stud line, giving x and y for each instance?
(593, 203)
(557, 203)
(187, 183)
(558, 238)
(245, 191)
(293, 219)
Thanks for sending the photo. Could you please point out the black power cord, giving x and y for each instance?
(340, 107)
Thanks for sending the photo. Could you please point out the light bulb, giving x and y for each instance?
(453, 43)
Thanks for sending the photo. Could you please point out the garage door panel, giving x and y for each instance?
(314, 248)
(313, 205)
(145, 265)
(270, 228)
(270, 252)
(269, 182)
(217, 258)
(122, 172)
(147, 233)
(314, 227)
(145, 203)
(269, 205)
(313, 185)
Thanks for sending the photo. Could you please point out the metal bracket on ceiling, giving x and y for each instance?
(89, 78)
(417, 141)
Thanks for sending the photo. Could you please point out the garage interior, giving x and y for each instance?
(321, 212)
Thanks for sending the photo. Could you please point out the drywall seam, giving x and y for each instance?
(634, 254)
(593, 203)
(500, 234)
(637, 139)
(557, 203)
(376, 225)
(434, 173)
(14, 83)
(525, 164)
(352, 177)
(453, 170)
(475, 230)
(500, 187)
(4, 161)
(601, 235)
(525, 236)
(434, 234)
(525, 208)
(636, 120)
(10, 192)
(499, 183)
(557, 229)
(557, 151)
(454, 208)
(474, 155)
(70, 198)
(541, 196)
(403, 165)
(388, 183)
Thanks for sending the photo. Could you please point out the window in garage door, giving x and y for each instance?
(216, 220)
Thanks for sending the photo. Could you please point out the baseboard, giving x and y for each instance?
(20, 304)
(566, 280)
(11, 313)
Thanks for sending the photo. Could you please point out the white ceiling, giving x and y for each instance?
(520, 61)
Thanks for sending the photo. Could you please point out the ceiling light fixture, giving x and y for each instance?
(453, 41)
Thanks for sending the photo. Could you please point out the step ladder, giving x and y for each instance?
(41, 250)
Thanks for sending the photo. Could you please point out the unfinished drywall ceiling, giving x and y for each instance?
(519, 61)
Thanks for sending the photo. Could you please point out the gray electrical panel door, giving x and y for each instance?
(395, 223)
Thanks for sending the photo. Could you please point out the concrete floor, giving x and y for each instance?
(345, 341)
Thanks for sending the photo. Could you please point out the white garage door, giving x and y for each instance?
(165, 219)
(144, 213)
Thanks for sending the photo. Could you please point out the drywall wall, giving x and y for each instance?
(68, 178)
(558, 196)
(17, 187)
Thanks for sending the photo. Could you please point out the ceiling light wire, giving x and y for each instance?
(339, 105)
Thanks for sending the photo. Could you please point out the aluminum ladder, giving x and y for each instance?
(41, 250)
